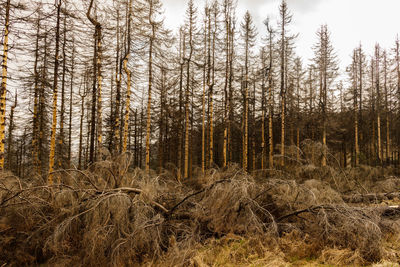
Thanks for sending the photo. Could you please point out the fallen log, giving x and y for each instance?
(370, 198)
(389, 212)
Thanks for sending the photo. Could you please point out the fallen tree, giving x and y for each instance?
(107, 215)
(371, 198)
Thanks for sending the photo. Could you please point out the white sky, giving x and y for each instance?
(350, 21)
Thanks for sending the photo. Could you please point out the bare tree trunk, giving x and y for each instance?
(83, 95)
(36, 125)
(182, 45)
(4, 86)
(70, 103)
(148, 125)
(265, 73)
(378, 103)
(355, 106)
(97, 79)
(61, 140)
(203, 126)
(128, 75)
(187, 92)
(387, 109)
(10, 134)
(55, 92)
(99, 95)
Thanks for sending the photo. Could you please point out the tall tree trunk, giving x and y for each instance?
(36, 125)
(10, 134)
(270, 124)
(116, 113)
(355, 106)
(148, 125)
(71, 102)
(61, 141)
(96, 111)
(55, 93)
(378, 103)
(42, 140)
(203, 118)
(128, 75)
(161, 142)
(182, 49)
(225, 147)
(99, 95)
(4, 85)
(187, 111)
(265, 73)
(253, 136)
(93, 110)
(83, 95)
(283, 86)
(387, 109)
(283, 125)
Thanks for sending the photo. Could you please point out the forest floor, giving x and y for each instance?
(113, 215)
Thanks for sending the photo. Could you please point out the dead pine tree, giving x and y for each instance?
(182, 50)
(203, 99)
(387, 105)
(298, 77)
(361, 65)
(4, 85)
(212, 30)
(36, 125)
(97, 88)
(155, 35)
(115, 142)
(191, 13)
(227, 11)
(61, 141)
(265, 74)
(248, 33)
(270, 94)
(10, 139)
(71, 101)
(354, 77)
(55, 95)
(128, 75)
(325, 60)
(378, 102)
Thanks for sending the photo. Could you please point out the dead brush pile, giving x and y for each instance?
(109, 215)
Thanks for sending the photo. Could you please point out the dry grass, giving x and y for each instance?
(109, 215)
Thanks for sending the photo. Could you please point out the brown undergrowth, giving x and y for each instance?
(109, 215)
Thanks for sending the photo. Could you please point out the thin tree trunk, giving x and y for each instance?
(148, 125)
(61, 140)
(70, 103)
(187, 92)
(4, 85)
(378, 104)
(99, 95)
(55, 93)
(81, 128)
(36, 126)
(283, 125)
(263, 112)
(10, 134)
(182, 45)
(128, 86)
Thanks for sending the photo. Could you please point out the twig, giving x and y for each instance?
(311, 209)
(196, 193)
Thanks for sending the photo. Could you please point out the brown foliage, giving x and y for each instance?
(110, 215)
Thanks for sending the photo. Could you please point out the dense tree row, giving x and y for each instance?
(100, 78)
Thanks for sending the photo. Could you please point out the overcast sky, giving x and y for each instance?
(350, 21)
